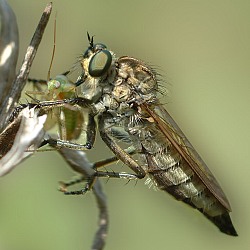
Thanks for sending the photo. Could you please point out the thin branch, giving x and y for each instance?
(101, 234)
(26, 129)
(16, 87)
(79, 162)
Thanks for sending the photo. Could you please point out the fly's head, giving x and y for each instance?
(98, 65)
(97, 60)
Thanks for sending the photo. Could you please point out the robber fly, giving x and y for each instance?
(120, 95)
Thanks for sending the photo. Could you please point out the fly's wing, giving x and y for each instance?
(179, 141)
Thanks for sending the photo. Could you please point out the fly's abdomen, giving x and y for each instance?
(178, 179)
(171, 173)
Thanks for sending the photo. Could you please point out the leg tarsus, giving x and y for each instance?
(87, 187)
(64, 185)
(77, 192)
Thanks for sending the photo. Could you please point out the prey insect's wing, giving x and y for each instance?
(178, 140)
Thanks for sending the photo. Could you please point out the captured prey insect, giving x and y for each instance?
(121, 93)
(68, 118)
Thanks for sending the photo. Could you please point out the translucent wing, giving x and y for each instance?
(175, 136)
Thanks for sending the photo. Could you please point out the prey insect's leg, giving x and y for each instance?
(118, 151)
(30, 93)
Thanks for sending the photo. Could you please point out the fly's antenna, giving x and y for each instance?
(53, 51)
(91, 40)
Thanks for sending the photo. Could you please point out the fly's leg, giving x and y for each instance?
(119, 175)
(19, 109)
(44, 106)
(90, 179)
(91, 131)
(90, 182)
(64, 185)
(38, 82)
(96, 165)
(57, 143)
(118, 151)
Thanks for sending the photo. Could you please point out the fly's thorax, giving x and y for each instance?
(114, 107)
(138, 75)
(122, 93)
(90, 89)
(109, 102)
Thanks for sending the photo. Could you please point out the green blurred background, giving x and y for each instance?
(203, 50)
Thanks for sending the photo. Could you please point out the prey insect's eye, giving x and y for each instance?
(100, 63)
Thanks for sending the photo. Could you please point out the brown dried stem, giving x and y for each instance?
(12, 89)
(26, 130)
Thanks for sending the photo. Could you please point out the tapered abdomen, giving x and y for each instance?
(173, 174)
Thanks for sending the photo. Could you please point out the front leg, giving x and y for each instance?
(90, 179)
(91, 130)
(90, 138)
(44, 106)
(117, 150)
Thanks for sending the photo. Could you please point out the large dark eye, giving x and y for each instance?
(99, 46)
(100, 63)
(94, 48)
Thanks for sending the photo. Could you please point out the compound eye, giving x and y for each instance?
(100, 63)
(99, 46)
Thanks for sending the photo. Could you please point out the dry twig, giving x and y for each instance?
(27, 129)
(79, 162)
(13, 86)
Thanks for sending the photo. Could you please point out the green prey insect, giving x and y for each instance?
(69, 119)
